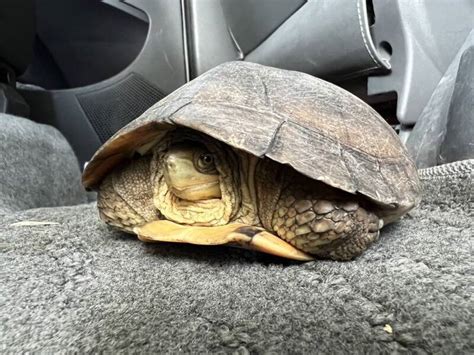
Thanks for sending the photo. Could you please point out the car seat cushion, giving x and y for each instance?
(37, 167)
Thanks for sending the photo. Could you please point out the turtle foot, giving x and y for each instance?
(235, 234)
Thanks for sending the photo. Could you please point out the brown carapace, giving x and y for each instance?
(258, 157)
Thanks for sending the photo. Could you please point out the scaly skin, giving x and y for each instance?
(125, 197)
(336, 229)
(310, 215)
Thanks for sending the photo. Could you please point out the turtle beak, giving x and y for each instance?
(186, 182)
(179, 171)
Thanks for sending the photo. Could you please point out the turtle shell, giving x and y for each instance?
(321, 130)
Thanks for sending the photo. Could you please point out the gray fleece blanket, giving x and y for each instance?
(72, 284)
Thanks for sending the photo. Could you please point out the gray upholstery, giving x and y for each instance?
(435, 130)
(326, 38)
(77, 286)
(37, 167)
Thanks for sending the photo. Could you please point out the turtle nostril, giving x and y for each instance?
(170, 163)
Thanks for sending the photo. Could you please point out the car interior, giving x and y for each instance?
(73, 73)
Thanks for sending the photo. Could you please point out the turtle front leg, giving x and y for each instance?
(335, 229)
(125, 198)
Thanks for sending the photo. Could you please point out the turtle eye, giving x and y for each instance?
(205, 163)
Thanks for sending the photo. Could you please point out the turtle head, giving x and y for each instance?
(190, 172)
(197, 180)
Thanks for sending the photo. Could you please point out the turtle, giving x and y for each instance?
(258, 157)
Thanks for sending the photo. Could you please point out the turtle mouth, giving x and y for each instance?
(194, 192)
(194, 187)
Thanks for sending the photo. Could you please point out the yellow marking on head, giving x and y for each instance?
(190, 172)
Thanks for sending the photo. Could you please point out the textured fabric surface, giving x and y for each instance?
(37, 167)
(78, 286)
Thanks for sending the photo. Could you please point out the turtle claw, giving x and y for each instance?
(236, 234)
